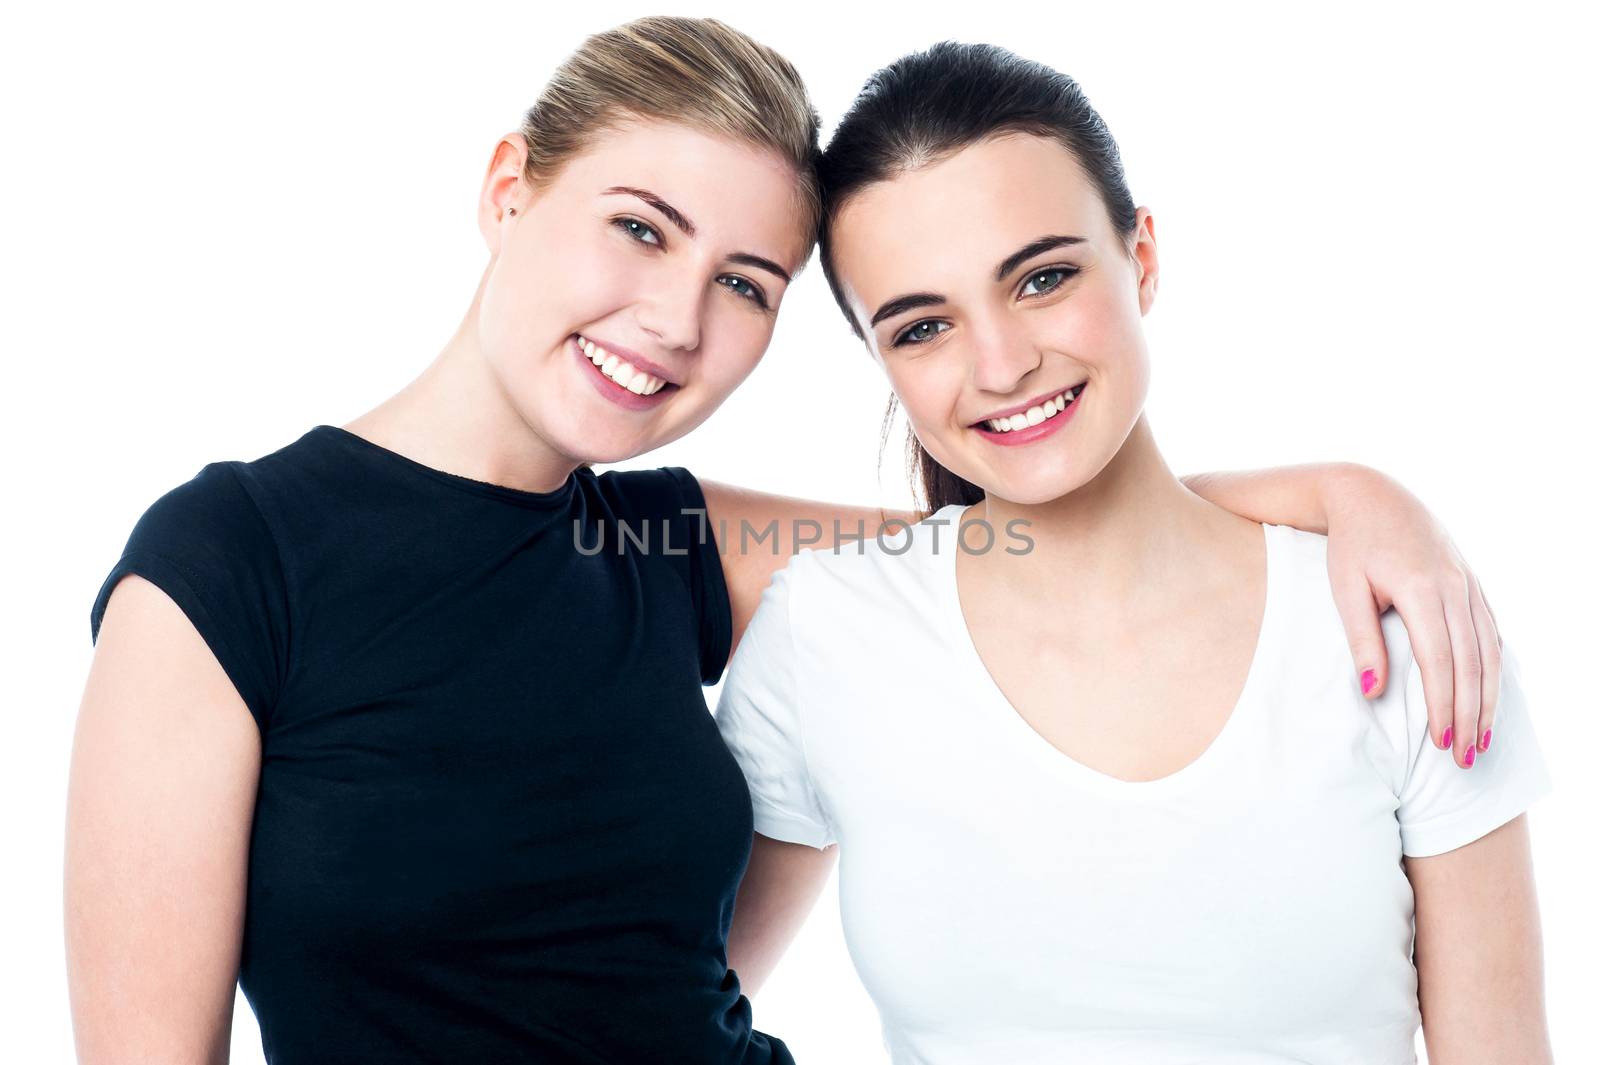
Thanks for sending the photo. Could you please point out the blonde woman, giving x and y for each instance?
(373, 727)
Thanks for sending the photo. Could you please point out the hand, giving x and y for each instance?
(1385, 549)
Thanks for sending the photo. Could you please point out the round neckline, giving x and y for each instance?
(996, 705)
(540, 500)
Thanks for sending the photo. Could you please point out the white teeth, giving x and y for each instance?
(1033, 415)
(620, 370)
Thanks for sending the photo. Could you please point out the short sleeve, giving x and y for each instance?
(1443, 806)
(759, 716)
(672, 494)
(206, 545)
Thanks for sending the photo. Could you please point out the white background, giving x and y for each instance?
(223, 225)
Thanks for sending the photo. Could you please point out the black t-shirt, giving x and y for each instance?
(495, 821)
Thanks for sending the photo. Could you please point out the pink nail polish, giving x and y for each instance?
(1444, 741)
(1486, 734)
(1469, 756)
(1369, 680)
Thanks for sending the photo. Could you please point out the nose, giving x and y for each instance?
(1003, 356)
(672, 312)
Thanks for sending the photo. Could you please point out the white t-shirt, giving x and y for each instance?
(1005, 903)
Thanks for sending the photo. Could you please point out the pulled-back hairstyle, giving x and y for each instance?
(924, 108)
(696, 71)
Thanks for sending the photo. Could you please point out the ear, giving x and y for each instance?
(1144, 257)
(503, 190)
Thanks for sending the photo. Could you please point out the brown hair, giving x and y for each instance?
(927, 106)
(697, 71)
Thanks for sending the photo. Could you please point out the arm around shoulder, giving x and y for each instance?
(165, 763)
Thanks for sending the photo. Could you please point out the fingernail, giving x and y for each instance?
(1486, 734)
(1444, 741)
(1472, 753)
(1369, 680)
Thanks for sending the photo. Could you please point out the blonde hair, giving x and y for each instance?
(696, 71)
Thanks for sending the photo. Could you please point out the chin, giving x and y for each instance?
(1034, 491)
(582, 441)
(604, 453)
(1024, 497)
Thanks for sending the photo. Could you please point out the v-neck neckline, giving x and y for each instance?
(994, 705)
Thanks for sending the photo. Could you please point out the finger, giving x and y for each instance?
(1499, 641)
(1353, 596)
(1489, 645)
(1430, 648)
(1468, 668)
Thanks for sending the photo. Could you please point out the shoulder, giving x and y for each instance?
(661, 492)
(1300, 568)
(664, 506)
(1299, 573)
(207, 547)
(219, 532)
(661, 512)
(854, 590)
(213, 508)
(1300, 558)
(235, 497)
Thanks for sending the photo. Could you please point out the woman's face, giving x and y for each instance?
(667, 248)
(990, 285)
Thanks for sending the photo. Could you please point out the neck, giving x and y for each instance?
(1131, 535)
(456, 417)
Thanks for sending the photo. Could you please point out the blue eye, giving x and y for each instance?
(749, 292)
(1058, 273)
(916, 333)
(633, 227)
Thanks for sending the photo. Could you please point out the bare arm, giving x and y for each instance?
(1479, 953)
(165, 763)
(1278, 495)
(1384, 549)
(758, 532)
(779, 889)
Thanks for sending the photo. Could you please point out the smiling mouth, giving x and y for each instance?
(620, 371)
(1034, 415)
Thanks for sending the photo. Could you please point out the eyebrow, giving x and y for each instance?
(760, 263)
(1029, 250)
(674, 216)
(679, 219)
(901, 304)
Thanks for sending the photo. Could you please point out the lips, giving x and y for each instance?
(1037, 421)
(628, 369)
(1031, 413)
(610, 389)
